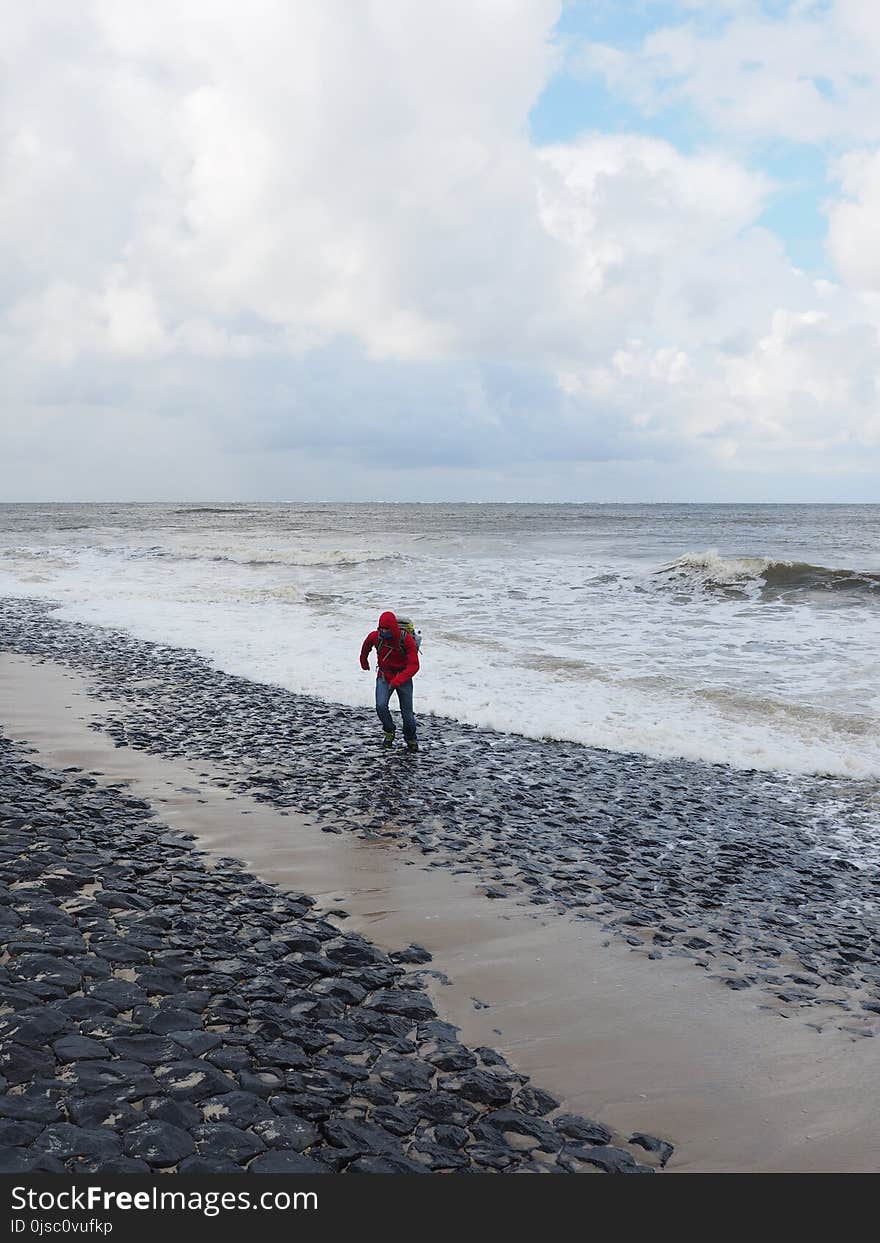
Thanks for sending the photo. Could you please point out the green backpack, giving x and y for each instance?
(407, 627)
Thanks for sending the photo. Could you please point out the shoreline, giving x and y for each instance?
(641, 1026)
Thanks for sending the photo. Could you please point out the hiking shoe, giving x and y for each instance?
(389, 738)
(412, 745)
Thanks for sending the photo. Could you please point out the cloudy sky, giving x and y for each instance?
(471, 249)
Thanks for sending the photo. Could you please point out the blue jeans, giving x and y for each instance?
(405, 699)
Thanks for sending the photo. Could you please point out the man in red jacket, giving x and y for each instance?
(398, 662)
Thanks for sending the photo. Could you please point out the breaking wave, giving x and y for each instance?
(762, 576)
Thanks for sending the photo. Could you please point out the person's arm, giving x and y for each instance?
(367, 646)
(412, 663)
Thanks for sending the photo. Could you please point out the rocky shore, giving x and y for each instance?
(766, 881)
(164, 1011)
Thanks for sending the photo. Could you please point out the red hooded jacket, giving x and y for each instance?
(397, 663)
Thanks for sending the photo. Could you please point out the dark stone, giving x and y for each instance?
(410, 1005)
(287, 1132)
(19, 1063)
(240, 1109)
(412, 953)
(512, 1121)
(37, 1103)
(129, 1080)
(191, 1080)
(119, 993)
(149, 1049)
(29, 1161)
(301, 1104)
(196, 1042)
(160, 1144)
(360, 1137)
(535, 1101)
(112, 1165)
(611, 1160)
(209, 1165)
(72, 1048)
(438, 1156)
(450, 1136)
(404, 1074)
(583, 1129)
(220, 1139)
(162, 1020)
(442, 1107)
(62, 1139)
(17, 1134)
(490, 1155)
(451, 1057)
(94, 1111)
(33, 1027)
(483, 1086)
(651, 1143)
(396, 1120)
(226, 1058)
(261, 1082)
(284, 1053)
(178, 1113)
(285, 1161)
(42, 968)
(385, 1165)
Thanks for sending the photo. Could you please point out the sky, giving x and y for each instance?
(509, 250)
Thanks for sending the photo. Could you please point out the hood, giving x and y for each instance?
(388, 621)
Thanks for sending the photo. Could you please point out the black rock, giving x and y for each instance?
(112, 1165)
(483, 1086)
(129, 1080)
(512, 1121)
(412, 953)
(360, 1137)
(37, 1103)
(20, 1062)
(287, 1132)
(62, 1139)
(191, 1080)
(149, 1049)
(611, 1160)
(398, 1121)
(33, 1027)
(209, 1165)
(651, 1143)
(241, 1109)
(17, 1134)
(411, 1005)
(583, 1129)
(160, 1144)
(29, 1161)
(96, 1111)
(178, 1113)
(451, 1057)
(285, 1161)
(221, 1139)
(385, 1165)
(72, 1048)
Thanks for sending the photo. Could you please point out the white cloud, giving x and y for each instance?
(316, 235)
(808, 73)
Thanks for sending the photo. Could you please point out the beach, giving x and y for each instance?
(575, 922)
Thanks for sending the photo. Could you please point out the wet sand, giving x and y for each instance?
(649, 1045)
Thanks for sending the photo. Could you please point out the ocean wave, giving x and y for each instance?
(205, 509)
(336, 559)
(762, 576)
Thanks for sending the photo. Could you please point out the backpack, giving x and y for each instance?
(407, 627)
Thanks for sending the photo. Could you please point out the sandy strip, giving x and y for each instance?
(639, 1045)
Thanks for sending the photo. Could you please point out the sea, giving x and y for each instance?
(746, 635)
